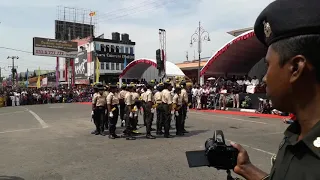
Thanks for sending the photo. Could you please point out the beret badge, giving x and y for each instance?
(267, 29)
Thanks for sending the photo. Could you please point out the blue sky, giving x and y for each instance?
(21, 20)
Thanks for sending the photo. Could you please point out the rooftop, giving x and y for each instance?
(237, 32)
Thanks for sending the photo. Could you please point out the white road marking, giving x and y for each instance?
(19, 130)
(38, 118)
(56, 107)
(15, 112)
(227, 117)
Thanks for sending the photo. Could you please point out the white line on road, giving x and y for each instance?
(19, 130)
(227, 117)
(257, 149)
(38, 118)
(15, 112)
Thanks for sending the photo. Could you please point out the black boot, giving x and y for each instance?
(149, 136)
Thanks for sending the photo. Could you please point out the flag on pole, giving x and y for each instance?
(39, 81)
(27, 78)
(125, 63)
(97, 70)
(92, 13)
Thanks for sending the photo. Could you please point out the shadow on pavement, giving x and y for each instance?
(10, 178)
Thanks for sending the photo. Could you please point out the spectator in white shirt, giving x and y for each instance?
(254, 81)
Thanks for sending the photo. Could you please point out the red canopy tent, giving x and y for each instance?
(237, 56)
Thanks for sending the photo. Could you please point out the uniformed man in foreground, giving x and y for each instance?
(147, 109)
(112, 105)
(177, 108)
(166, 108)
(99, 103)
(106, 120)
(95, 93)
(158, 106)
(184, 96)
(291, 31)
(122, 94)
(128, 113)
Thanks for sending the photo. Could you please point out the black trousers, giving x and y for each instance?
(122, 111)
(184, 109)
(143, 105)
(99, 118)
(165, 114)
(129, 122)
(106, 120)
(179, 125)
(159, 120)
(113, 120)
(147, 116)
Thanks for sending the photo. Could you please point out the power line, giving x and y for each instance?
(135, 12)
(18, 50)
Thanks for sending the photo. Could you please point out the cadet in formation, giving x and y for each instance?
(112, 104)
(99, 103)
(166, 108)
(148, 109)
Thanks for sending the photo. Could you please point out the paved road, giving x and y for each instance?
(54, 142)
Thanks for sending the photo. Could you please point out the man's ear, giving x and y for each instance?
(297, 64)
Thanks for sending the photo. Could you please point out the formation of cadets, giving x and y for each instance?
(110, 102)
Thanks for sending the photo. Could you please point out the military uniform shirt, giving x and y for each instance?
(99, 100)
(122, 94)
(105, 93)
(112, 99)
(166, 96)
(158, 97)
(177, 99)
(148, 96)
(184, 95)
(298, 159)
(128, 99)
(143, 97)
(135, 96)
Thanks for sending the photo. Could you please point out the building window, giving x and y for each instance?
(117, 49)
(117, 66)
(102, 65)
(121, 49)
(121, 66)
(131, 50)
(64, 74)
(112, 66)
(107, 48)
(107, 66)
(102, 47)
(112, 48)
(126, 50)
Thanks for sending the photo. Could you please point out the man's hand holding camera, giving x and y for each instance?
(244, 166)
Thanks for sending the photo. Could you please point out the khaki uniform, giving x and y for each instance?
(177, 103)
(166, 110)
(158, 102)
(184, 97)
(148, 102)
(137, 103)
(122, 94)
(128, 100)
(99, 101)
(113, 101)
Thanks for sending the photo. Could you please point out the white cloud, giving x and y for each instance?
(141, 19)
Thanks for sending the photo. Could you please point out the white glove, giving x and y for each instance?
(172, 112)
(187, 109)
(152, 110)
(130, 115)
(177, 113)
(106, 111)
(136, 114)
(111, 114)
(92, 113)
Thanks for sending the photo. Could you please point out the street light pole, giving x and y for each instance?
(13, 67)
(199, 36)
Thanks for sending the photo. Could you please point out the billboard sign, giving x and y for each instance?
(54, 48)
(80, 66)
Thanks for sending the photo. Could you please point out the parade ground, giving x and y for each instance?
(53, 142)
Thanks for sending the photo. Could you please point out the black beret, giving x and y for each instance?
(283, 19)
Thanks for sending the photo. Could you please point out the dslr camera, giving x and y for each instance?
(216, 154)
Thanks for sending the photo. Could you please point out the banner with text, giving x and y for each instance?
(80, 66)
(54, 48)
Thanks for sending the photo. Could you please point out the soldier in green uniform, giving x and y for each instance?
(290, 29)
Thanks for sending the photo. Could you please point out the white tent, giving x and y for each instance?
(140, 68)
